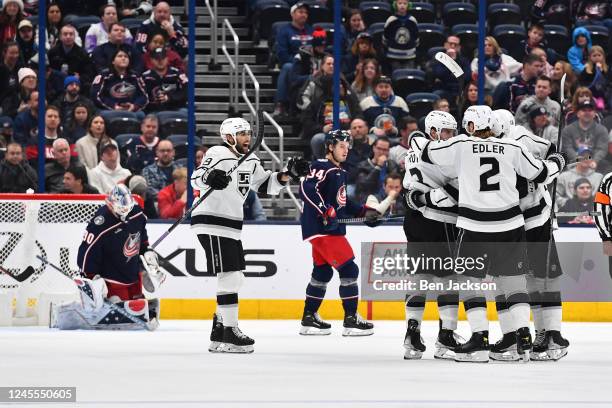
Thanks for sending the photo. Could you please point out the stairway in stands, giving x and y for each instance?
(212, 89)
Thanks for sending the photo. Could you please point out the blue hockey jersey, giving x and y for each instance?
(325, 185)
(111, 248)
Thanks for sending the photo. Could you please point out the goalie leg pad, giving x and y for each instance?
(92, 292)
(73, 316)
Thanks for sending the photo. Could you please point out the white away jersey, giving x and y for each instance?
(487, 170)
(221, 212)
(441, 202)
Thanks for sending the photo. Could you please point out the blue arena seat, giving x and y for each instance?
(420, 104)
(374, 12)
(599, 35)
(509, 37)
(423, 12)
(407, 81)
(504, 13)
(459, 13)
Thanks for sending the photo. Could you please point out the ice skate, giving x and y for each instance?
(505, 349)
(446, 344)
(216, 335)
(234, 341)
(552, 348)
(476, 350)
(354, 325)
(523, 343)
(312, 325)
(413, 342)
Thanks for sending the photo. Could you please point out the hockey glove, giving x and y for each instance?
(415, 199)
(217, 179)
(372, 217)
(558, 158)
(152, 277)
(330, 220)
(297, 167)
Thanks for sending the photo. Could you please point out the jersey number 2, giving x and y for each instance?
(485, 185)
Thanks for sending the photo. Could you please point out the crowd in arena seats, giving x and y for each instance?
(388, 60)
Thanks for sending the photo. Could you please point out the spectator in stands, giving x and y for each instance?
(69, 58)
(384, 109)
(578, 54)
(392, 187)
(361, 51)
(360, 151)
(173, 198)
(28, 47)
(159, 41)
(98, 33)
(591, 12)
(585, 132)
(88, 147)
(540, 98)
(162, 21)
(441, 104)
(252, 208)
(324, 75)
(26, 122)
(582, 94)
(11, 15)
(499, 67)
(71, 97)
(119, 88)
(102, 55)
(371, 173)
(524, 84)
(134, 8)
(288, 42)
(53, 131)
(365, 76)
(470, 97)
(597, 77)
(76, 181)
(547, 69)
(9, 80)
(355, 26)
(108, 172)
(583, 169)
(54, 79)
(582, 201)
(166, 86)
(199, 155)
(141, 152)
(401, 37)
(18, 101)
(55, 169)
(75, 126)
(560, 68)
(535, 38)
(398, 153)
(6, 133)
(16, 176)
(445, 84)
(54, 22)
(159, 174)
(539, 123)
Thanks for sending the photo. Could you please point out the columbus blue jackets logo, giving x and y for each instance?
(402, 36)
(122, 90)
(131, 247)
(341, 196)
(244, 182)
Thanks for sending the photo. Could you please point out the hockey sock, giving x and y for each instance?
(476, 310)
(535, 302)
(448, 308)
(517, 299)
(552, 313)
(228, 284)
(315, 291)
(349, 289)
(503, 314)
(415, 306)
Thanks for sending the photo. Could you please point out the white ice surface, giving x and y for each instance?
(172, 368)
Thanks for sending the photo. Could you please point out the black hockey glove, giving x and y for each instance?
(415, 199)
(559, 158)
(217, 180)
(297, 167)
(372, 217)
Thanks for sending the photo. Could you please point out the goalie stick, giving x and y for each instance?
(110, 304)
(27, 272)
(258, 140)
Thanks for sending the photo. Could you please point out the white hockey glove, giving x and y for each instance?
(559, 159)
(153, 277)
(415, 199)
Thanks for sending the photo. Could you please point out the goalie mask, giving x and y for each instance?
(505, 120)
(120, 201)
(480, 118)
(439, 121)
(233, 127)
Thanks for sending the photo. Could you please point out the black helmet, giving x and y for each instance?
(337, 135)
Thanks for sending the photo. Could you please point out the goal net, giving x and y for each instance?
(47, 225)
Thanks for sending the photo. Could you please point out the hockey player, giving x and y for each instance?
(489, 214)
(218, 222)
(425, 222)
(109, 262)
(542, 283)
(324, 194)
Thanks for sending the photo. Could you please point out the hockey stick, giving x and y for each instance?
(258, 140)
(363, 219)
(554, 186)
(455, 69)
(27, 272)
(578, 213)
(110, 304)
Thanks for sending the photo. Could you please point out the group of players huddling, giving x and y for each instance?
(484, 192)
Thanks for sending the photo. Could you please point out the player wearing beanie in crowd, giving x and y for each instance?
(217, 221)
(324, 194)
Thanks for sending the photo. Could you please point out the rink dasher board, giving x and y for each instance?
(278, 269)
